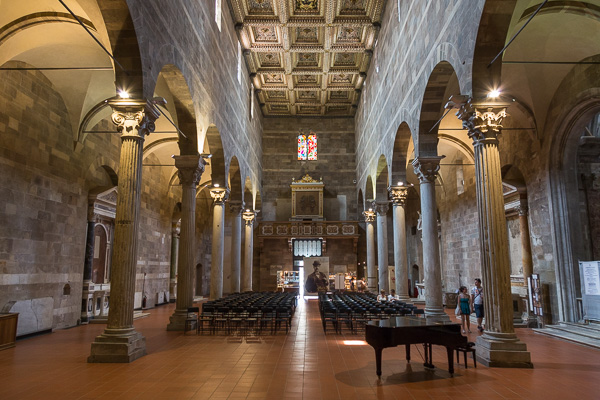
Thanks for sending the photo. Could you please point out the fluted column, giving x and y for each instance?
(174, 257)
(236, 245)
(219, 196)
(370, 227)
(382, 246)
(120, 342)
(189, 169)
(499, 345)
(399, 195)
(426, 168)
(249, 217)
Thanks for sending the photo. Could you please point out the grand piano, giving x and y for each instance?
(409, 330)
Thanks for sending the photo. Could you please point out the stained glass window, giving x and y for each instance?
(312, 147)
(307, 147)
(302, 151)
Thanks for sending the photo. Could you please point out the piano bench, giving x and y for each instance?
(468, 348)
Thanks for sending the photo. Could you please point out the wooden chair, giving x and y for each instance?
(191, 320)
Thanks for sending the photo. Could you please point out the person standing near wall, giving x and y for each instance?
(477, 301)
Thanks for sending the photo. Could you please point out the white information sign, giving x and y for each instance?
(591, 278)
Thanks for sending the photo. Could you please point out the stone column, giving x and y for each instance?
(89, 246)
(371, 273)
(249, 217)
(525, 242)
(174, 256)
(189, 169)
(236, 245)
(399, 195)
(219, 196)
(120, 342)
(88, 263)
(426, 168)
(499, 345)
(382, 246)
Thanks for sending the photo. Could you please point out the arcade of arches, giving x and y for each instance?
(149, 157)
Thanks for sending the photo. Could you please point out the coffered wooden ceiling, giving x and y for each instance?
(308, 57)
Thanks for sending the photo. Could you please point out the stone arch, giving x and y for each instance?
(491, 38)
(369, 192)
(217, 162)
(247, 196)
(124, 45)
(101, 169)
(400, 153)
(172, 85)
(43, 27)
(382, 181)
(360, 203)
(577, 101)
(234, 181)
(432, 108)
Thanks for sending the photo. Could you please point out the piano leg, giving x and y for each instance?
(378, 360)
(428, 356)
(407, 352)
(450, 352)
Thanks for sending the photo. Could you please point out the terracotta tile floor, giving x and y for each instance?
(305, 364)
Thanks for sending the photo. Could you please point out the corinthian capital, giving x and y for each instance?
(382, 208)
(219, 194)
(249, 216)
(189, 169)
(369, 215)
(398, 194)
(482, 119)
(426, 168)
(134, 117)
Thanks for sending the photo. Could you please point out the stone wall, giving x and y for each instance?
(335, 165)
(44, 203)
(185, 34)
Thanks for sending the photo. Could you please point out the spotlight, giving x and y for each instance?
(216, 185)
(494, 94)
(123, 94)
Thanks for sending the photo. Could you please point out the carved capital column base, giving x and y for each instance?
(436, 314)
(177, 320)
(405, 299)
(118, 348)
(502, 350)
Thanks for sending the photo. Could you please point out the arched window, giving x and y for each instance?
(307, 147)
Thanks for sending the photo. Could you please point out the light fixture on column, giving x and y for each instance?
(494, 94)
(218, 193)
(123, 94)
(249, 216)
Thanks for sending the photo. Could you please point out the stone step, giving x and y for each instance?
(578, 329)
(572, 334)
(591, 327)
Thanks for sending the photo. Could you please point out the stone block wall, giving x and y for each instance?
(335, 165)
(185, 34)
(44, 186)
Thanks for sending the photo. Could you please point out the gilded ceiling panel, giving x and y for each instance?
(308, 57)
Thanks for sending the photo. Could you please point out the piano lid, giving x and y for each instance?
(408, 322)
